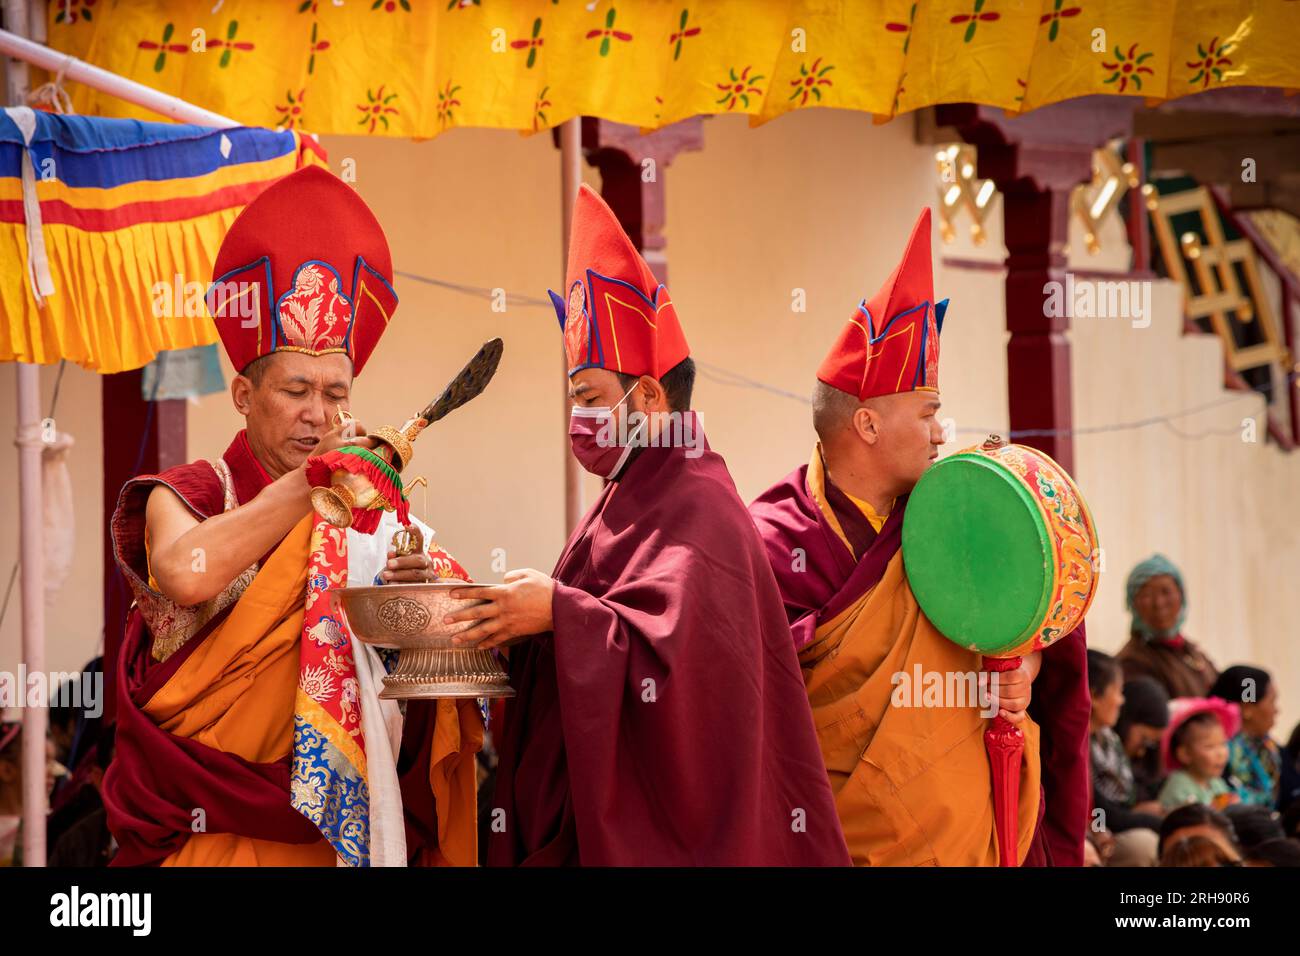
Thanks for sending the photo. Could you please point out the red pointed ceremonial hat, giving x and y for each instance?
(304, 268)
(617, 315)
(891, 344)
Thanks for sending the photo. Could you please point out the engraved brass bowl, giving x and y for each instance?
(409, 617)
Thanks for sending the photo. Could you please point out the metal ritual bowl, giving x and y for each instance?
(409, 618)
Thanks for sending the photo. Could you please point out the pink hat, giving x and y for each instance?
(1183, 708)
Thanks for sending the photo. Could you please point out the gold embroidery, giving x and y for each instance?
(173, 624)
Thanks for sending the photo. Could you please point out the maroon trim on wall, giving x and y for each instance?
(1000, 265)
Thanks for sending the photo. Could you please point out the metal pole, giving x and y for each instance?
(78, 71)
(31, 548)
(16, 72)
(22, 51)
(570, 180)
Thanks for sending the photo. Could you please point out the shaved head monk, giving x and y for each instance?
(250, 730)
(912, 783)
(660, 717)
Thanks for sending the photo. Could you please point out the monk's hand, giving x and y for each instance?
(1011, 692)
(410, 569)
(515, 610)
(348, 433)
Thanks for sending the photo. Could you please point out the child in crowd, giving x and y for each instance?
(1254, 759)
(1195, 747)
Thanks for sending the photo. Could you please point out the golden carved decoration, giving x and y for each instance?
(1092, 202)
(1213, 260)
(960, 190)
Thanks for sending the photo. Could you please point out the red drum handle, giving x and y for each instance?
(1006, 746)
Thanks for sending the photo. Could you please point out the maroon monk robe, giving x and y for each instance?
(156, 779)
(828, 578)
(664, 720)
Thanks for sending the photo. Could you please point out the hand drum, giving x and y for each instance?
(998, 545)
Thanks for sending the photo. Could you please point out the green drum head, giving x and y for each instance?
(978, 554)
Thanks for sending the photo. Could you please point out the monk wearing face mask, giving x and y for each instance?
(661, 717)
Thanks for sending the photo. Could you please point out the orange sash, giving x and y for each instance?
(912, 783)
(235, 692)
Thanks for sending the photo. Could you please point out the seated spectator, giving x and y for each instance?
(77, 795)
(1129, 831)
(63, 720)
(1254, 759)
(1253, 825)
(1196, 819)
(1197, 851)
(1157, 647)
(84, 839)
(1142, 722)
(1098, 847)
(11, 789)
(86, 725)
(1195, 751)
(1289, 777)
(1275, 853)
(1291, 821)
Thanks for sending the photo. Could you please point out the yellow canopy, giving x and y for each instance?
(415, 68)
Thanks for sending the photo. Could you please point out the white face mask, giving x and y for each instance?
(603, 458)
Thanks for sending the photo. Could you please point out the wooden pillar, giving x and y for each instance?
(1137, 226)
(570, 143)
(140, 437)
(1035, 161)
(632, 168)
(1036, 226)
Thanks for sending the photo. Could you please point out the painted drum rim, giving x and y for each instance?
(1073, 619)
(1093, 536)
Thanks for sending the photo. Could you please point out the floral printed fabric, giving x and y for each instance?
(1254, 769)
(417, 69)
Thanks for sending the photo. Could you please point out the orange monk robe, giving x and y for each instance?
(235, 693)
(912, 784)
(199, 743)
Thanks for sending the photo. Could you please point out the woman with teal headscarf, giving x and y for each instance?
(1157, 647)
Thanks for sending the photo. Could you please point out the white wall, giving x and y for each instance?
(822, 201)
